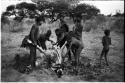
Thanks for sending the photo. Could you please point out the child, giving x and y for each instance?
(106, 41)
(43, 38)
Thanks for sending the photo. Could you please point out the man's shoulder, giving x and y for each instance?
(33, 25)
(109, 37)
(42, 35)
(80, 25)
(104, 37)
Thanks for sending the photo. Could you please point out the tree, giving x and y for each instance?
(26, 10)
(10, 8)
(119, 14)
(86, 11)
(4, 18)
(53, 9)
(67, 1)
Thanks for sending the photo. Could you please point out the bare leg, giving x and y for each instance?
(33, 56)
(106, 58)
(78, 51)
(80, 45)
(101, 56)
(69, 56)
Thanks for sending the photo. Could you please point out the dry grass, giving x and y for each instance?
(88, 71)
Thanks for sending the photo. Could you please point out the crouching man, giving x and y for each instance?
(55, 56)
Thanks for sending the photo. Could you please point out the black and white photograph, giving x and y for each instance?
(62, 40)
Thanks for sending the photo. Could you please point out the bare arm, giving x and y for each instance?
(34, 32)
(47, 38)
(73, 28)
(103, 41)
(60, 39)
(64, 45)
(51, 41)
(110, 41)
(69, 49)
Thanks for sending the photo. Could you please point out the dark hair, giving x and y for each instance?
(107, 32)
(48, 33)
(66, 28)
(77, 20)
(57, 31)
(37, 19)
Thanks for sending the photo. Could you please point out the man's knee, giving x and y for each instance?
(81, 45)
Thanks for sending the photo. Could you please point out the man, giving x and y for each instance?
(76, 40)
(62, 35)
(61, 32)
(33, 36)
(63, 25)
(43, 38)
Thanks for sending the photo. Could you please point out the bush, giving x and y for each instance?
(29, 21)
(118, 25)
(4, 21)
(100, 19)
(90, 25)
(13, 26)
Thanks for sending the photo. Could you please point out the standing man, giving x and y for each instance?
(33, 36)
(77, 39)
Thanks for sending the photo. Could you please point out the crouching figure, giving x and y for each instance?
(55, 54)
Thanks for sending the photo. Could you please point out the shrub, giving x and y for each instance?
(29, 21)
(118, 25)
(90, 25)
(17, 26)
(100, 19)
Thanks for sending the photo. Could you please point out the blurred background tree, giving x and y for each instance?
(52, 9)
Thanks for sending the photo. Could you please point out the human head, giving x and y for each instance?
(38, 20)
(48, 33)
(107, 32)
(62, 20)
(77, 21)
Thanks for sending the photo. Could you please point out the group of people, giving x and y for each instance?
(73, 38)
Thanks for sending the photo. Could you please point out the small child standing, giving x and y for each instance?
(106, 41)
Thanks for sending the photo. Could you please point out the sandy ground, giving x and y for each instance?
(10, 45)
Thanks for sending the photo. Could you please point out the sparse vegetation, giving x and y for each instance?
(89, 70)
(14, 31)
(118, 25)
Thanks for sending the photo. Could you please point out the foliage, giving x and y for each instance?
(86, 9)
(28, 6)
(10, 8)
(118, 25)
(53, 10)
(4, 19)
(90, 24)
(100, 19)
(66, 1)
(118, 14)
